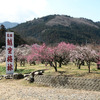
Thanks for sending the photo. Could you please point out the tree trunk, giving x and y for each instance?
(83, 63)
(20, 63)
(51, 64)
(34, 63)
(98, 66)
(77, 63)
(60, 64)
(15, 64)
(55, 66)
(79, 66)
(23, 63)
(88, 67)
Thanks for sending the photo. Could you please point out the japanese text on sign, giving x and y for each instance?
(9, 52)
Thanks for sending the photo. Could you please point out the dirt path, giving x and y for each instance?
(16, 90)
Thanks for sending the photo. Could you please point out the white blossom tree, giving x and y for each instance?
(84, 53)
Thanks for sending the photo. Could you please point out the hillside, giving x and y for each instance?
(56, 28)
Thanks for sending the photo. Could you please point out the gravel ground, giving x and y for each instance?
(14, 90)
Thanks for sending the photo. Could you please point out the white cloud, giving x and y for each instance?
(21, 10)
(24, 10)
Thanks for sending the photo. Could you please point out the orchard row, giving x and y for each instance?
(63, 53)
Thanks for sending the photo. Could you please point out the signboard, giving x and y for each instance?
(9, 52)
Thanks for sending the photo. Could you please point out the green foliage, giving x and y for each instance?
(17, 39)
(24, 71)
(2, 70)
(94, 69)
(2, 35)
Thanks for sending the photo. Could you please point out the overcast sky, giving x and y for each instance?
(25, 10)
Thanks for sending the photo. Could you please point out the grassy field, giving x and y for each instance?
(69, 70)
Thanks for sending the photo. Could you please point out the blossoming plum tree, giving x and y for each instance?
(20, 54)
(62, 52)
(51, 55)
(84, 53)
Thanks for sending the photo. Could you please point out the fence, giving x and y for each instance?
(68, 82)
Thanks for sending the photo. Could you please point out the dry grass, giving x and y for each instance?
(69, 70)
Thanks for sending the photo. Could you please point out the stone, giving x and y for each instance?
(8, 76)
(38, 73)
(26, 75)
(26, 78)
(18, 76)
(32, 74)
(30, 79)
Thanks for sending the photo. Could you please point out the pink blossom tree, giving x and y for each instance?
(43, 53)
(62, 52)
(51, 55)
(34, 54)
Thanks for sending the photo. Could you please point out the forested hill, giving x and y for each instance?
(56, 28)
(17, 39)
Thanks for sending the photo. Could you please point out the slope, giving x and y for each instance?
(56, 28)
